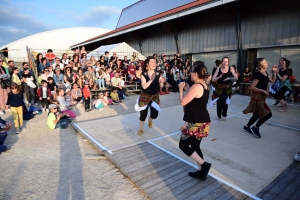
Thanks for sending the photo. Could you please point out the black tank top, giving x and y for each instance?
(195, 111)
(154, 86)
(225, 75)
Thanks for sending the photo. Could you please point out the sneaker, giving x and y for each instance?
(22, 128)
(204, 171)
(1, 112)
(255, 132)
(297, 156)
(161, 93)
(17, 130)
(47, 110)
(196, 174)
(43, 110)
(247, 129)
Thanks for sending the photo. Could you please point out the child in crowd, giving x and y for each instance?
(52, 86)
(106, 100)
(107, 77)
(64, 105)
(87, 95)
(115, 96)
(177, 77)
(55, 121)
(68, 95)
(15, 101)
(99, 103)
(100, 75)
(44, 95)
(61, 115)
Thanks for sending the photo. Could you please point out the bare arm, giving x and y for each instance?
(145, 84)
(191, 94)
(215, 78)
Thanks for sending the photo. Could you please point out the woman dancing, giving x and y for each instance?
(222, 82)
(150, 81)
(196, 117)
(257, 106)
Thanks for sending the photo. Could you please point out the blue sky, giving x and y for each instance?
(21, 18)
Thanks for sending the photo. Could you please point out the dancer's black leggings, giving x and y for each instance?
(153, 112)
(255, 117)
(190, 145)
(222, 107)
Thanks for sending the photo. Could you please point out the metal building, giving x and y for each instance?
(210, 29)
(58, 40)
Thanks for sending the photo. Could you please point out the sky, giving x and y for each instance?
(21, 18)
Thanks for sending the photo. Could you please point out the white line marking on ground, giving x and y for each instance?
(92, 139)
(289, 127)
(213, 176)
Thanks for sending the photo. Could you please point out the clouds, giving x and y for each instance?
(14, 25)
(97, 16)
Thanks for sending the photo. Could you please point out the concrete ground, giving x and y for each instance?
(237, 157)
(47, 164)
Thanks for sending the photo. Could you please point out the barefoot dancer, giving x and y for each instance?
(150, 81)
(196, 117)
(257, 106)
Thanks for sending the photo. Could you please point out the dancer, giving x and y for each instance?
(196, 117)
(222, 82)
(150, 93)
(257, 106)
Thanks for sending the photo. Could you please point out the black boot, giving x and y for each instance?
(196, 174)
(204, 171)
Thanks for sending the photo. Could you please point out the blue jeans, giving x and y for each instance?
(62, 124)
(3, 136)
(100, 81)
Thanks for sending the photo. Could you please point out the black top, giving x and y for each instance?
(69, 78)
(214, 70)
(27, 75)
(225, 75)
(287, 72)
(195, 110)
(247, 73)
(15, 100)
(51, 86)
(154, 86)
(262, 80)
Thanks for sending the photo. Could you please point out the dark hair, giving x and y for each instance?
(218, 62)
(10, 61)
(101, 57)
(37, 56)
(287, 62)
(200, 69)
(24, 63)
(13, 69)
(50, 78)
(147, 62)
(42, 60)
(257, 62)
(49, 50)
(106, 52)
(63, 55)
(44, 81)
(15, 86)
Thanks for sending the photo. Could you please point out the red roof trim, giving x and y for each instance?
(163, 14)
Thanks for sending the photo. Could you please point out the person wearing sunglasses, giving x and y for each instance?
(54, 121)
(46, 74)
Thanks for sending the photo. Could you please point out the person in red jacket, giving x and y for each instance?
(87, 95)
(44, 95)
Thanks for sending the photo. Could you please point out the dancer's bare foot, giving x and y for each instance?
(282, 110)
(218, 118)
(140, 132)
(223, 118)
(150, 123)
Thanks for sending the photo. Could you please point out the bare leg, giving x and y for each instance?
(283, 105)
(150, 122)
(141, 131)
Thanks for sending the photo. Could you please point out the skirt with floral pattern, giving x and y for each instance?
(197, 130)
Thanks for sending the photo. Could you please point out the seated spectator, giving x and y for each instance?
(25, 66)
(100, 75)
(93, 61)
(80, 78)
(58, 78)
(99, 103)
(50, 56)
(77, 94)
(51, 85)
(177, 77)
(107, 78)
(116, 83)
(131, 72)
(125, 63)
(106, 100)
(82, 50)
(54, 120)
(58, 64)
(115, 96)
(46, 74)
(42, 65)
(64, 105)
(64, 59)
(68, 78)
(90, 76)
(138, 74)
(4, 126)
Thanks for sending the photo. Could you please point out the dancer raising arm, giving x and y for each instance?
(150, 81)
(196, 117)
(257, 106)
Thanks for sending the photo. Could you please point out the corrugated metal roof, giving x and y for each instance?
(147, 8)
(149, 19)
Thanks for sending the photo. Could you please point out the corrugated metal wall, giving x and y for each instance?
(132, 42)
(277, 25)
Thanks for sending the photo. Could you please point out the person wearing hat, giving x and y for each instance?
(54, 121)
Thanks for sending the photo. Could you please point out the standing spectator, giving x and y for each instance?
(29, 86)
(87, 97)
(4, 125)
(4, 76)
(44, 95)
(50, 56)
(64, 59)
(15, 101)
(11, 65)
(25, 66)
(57, 62)
(106, 58)
(15, 76)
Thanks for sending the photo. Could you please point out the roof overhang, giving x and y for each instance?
(178, 14)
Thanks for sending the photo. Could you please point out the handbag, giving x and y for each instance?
(4, 83)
